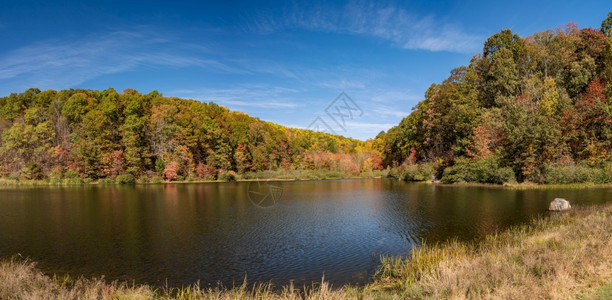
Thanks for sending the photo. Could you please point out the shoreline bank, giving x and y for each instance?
(6, 182)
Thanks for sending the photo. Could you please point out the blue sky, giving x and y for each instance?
(280, 61)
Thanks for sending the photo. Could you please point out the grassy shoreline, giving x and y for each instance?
(564, 256)
(15, 182)
(291, 175)
(527, 185)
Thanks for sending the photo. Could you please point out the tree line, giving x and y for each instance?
(535, 109)
(105, 134)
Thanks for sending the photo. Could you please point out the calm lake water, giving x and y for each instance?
(213, 232)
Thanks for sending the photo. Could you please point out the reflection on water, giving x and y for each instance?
(182, 233)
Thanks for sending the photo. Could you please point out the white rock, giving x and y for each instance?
(559, 204)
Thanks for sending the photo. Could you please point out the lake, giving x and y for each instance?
(178, 234)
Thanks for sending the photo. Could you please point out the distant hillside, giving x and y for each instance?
(530, 108)
(103, 134)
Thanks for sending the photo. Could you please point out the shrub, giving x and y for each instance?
(105, 181)
(171, 171)
(72, 180)
(394, 172)
(249, 175)
(576, 174)
(71, 174)
(33, 171)
(227, 176)
(125, 179)
(487, 170)
(55, 176)
(55, 180)
(160, 166)
(205, 171)
(420, 172)
(332, 175)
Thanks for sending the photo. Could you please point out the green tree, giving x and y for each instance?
(606, 25)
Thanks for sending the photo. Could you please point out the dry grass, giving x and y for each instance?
(537, 186)
(20, 279)
(604, 292)
(566, 256)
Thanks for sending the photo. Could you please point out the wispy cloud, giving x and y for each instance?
(367, 127)
(260, 104)
(259, 96)
(60, 63)
(343, 84)
(358, 129)
(400, 26)
(389, 111)
(394, 96)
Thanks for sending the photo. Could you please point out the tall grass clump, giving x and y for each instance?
(20, 279)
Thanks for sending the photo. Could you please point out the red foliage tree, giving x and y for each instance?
(171, 171)
(377, 162)
(205, 171)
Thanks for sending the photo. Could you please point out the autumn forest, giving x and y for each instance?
(527, 109)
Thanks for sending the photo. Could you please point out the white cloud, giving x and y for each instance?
(400, 26)
(259, 96)
(366, 127)
(394, 96)
(389, 111)
(343, 84)
(260, 104)
(61, 63)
